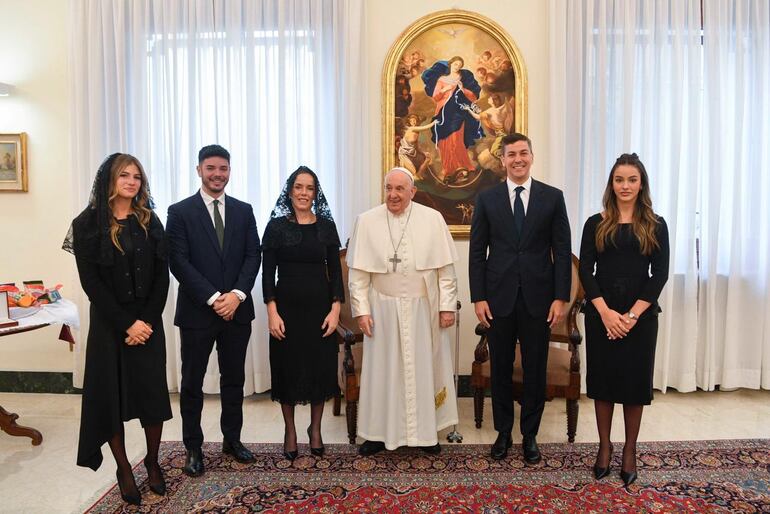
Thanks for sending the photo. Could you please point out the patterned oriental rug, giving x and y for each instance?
(695, 476)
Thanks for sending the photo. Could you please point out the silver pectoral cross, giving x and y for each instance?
(395, 260)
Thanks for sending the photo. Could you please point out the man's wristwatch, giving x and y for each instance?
(631, 315)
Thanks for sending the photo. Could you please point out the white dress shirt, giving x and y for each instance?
(209, 202)
(524, 194)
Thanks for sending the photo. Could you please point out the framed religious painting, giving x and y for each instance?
(13, 162)
(453, 85)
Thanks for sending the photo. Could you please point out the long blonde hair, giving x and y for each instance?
(644, 221)
(140, 204)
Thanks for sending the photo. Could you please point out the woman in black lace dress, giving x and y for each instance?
(628, 245)
(120, 251)
(303, 307)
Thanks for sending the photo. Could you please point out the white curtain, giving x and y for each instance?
(276, 82)
(642, 77)
(734, 328)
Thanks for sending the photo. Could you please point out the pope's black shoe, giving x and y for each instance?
(530, 450)
(369, 448)
(193, 465)
(500, 447)
(238, 451)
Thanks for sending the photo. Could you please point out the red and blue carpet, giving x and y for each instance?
(693, 476)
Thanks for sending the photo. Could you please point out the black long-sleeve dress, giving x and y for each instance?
(621, 370)
(123, 382)
(303, 366)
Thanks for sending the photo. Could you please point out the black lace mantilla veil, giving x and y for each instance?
(282, 230)
(88, 237)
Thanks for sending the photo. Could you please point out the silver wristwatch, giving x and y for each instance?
(631, 315)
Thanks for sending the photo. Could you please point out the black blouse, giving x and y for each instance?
(314, 253)
(622, 273)
(135, 286)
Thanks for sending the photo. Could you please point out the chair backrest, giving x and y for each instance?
(561, 332)
(346, 315)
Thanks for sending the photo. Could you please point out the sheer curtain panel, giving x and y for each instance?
(276, 82)
(687, 91)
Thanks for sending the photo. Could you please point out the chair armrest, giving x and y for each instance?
(481, 353)
(575, 338)
(346, 335)
(348, 338)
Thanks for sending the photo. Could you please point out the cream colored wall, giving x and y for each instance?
(526, 23)
(34, 58)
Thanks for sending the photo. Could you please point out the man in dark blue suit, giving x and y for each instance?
(214, 254)
(520, 287)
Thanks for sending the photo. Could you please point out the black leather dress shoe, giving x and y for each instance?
(238, 451)
(193, 465)
(530, 450)
(500, 447)
(369, 448)
(431, 450)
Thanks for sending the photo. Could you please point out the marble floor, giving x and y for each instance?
(45, 479)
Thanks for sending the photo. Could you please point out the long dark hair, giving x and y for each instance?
(644, 221)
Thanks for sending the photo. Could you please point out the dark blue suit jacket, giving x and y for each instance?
(203, 268)
(540, 261)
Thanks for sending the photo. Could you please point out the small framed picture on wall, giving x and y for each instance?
(13, 162)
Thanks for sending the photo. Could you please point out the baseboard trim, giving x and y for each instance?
(61, 383)
(37, 382)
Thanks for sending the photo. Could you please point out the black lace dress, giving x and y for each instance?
(303, 366)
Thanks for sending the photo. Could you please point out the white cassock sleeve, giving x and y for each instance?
(447, 288)
(358, 285)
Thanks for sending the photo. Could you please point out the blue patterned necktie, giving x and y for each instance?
(518, 211)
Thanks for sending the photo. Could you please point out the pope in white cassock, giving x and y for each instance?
(403, 294)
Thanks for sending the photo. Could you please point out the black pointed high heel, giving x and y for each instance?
(158, 488)
(318, 452)
(289, 455)
(600, 472)
(628, 477)
(131, 499)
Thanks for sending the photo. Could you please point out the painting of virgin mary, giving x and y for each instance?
(455, 91)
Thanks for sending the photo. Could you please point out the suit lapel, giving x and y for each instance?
(504, 203)
(229, 224)
(533, 210)
(208, 225)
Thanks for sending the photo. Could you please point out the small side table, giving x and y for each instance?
(8, 419)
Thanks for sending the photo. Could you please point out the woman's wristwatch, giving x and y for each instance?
(631, 315)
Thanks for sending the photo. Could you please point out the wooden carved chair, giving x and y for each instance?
(351, 350)
(563, 373)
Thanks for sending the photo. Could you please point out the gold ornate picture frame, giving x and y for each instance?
(13, 162)
(453, 84)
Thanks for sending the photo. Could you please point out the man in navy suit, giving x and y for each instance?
(520, 287)
(214, 254)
